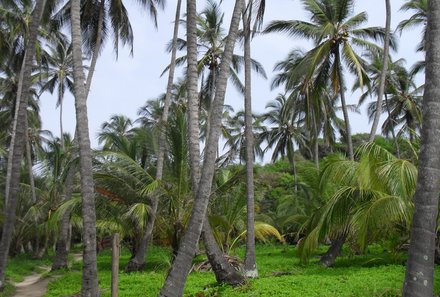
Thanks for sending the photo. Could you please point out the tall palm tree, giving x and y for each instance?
(419, 278)
(18, 138)
(59, 74)
(335, 32)
(90, 273)
(176, 278)
(383, 75)
(285, 130)
(132, 265)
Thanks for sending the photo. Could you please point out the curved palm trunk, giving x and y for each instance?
(383, 73)
(90, 274)
(344, 107)
(138, 261)
(334, 251)
(250, 261)
(18, 139)
(176, 278)
(60, 100)
(419, 279)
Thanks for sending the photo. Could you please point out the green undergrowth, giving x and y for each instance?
(375, 274)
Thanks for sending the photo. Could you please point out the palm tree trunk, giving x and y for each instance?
(419, 278)
(62, 245)
(176, 278)
(138, 261)
(396, 143)
(18, 139)
(29, 162)
(383, 73)
(224, 272)
(60, 100)
(96, 49)
(344, 107)
(250, 261)
(90, 274)
(334, 251)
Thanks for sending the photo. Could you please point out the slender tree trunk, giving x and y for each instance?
(62, 244)
(396, 143)
(344, 107)
(176, 278)
(29, 161)
(18, 139)
(383, 73)
(250, 261)
(60, 100)
(316, 144)
(138, 261)
(90, 274)
(419, 279)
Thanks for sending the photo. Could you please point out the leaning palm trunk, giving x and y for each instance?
(419, 279)
(383, 73)
(334, 251)
(90, 274)
(176, 278)
(138, 261)
(250, 261)
(18, 139)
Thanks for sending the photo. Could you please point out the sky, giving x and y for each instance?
(123, 85)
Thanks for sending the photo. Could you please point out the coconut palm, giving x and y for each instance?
(90, 273)
(383, 75)
(419, 278)
(175, 281)
(285, 129)
(377, 188)
(336, 33)
(419, 18)
(403, 103)
(59, 74)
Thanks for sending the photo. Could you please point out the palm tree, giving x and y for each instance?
(383, 75)
(59, 74)
(175, 281)
(335, 32)
(18, 138)
(90, 273)
(162, 133)
(285, 129)
(403, 104)
(419, 278)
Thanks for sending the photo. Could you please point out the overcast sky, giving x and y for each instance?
(122, 86)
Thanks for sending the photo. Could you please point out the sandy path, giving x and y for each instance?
(32, 285)
(35, 286)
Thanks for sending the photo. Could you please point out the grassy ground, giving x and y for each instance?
(375, 274)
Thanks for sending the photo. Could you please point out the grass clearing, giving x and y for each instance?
(375, 274)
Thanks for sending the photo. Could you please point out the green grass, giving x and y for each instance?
(281, 274)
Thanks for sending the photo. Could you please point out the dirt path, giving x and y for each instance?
(36, 286)
(32, 285)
